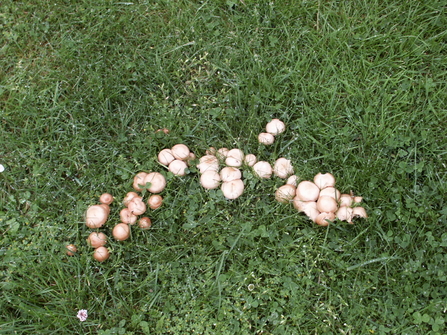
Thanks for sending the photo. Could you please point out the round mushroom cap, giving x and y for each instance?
(139, 180)
(180, 151)
(232, 189)
(307, 191)
(275, 127)
(266, 138)
(285, 193)
(178, 167)
(165, 156)
(210, 179)
(326, 203)
(283, 168)
(324, 180)
(208, 162)
(250, 160)
(230, 173)
(263, 169)
(235, 157)
(157, 180)
(96, 216)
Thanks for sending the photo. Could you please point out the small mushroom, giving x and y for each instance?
(165, 157)
(307, 191)
(266, 138)
(345, 200)
(359, 212)
(275, 127)
(71, 249)
(308, 207)
(101, 254)
(157, 181)
(210, 180)
(121, 232)
(208, 162)
(327, 204)
(323, 219)
(283, 168)
(263, 169)
(97, 240)
(222, 153)
(235, 157)
(232, 189)
(145, 223)
(178, 167)
(344, 213)
(96, 216)
(324, 180)
(331, 191)
(106, 199)
(127, 216)
(137, 206)
(180, 151)
(230, 173)
(250, 160)
(155, 201)
(285, 193)
(129, 196)
(292, 180)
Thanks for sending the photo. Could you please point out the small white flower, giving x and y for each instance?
(82, 315)
(2, 168)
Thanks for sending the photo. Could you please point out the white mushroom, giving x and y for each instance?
(165, 156)
(208, 162)
(235, 157)
(307, 191)
(283, 168)
(210, 180)
(285, 193)
(263, 169)
(275, 127)
(180, 151)
(250, 159)
(266, 138)
(178, 167)
(324, 180)
(230, 173)
(232, 189)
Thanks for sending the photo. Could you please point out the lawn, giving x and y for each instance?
(362, 88)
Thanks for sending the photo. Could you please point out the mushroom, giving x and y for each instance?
(345, 200)
(210, 180)
(127, 216)
(101, 254)
(263, 169)
(307, 191)
(178, 167)
(211, 151)
(97, 240)
(327, 204)
(222, 153)
(308, 207)
(292, 180)
(129, 196)
(323, 219)
(275, 127)
(324, 180)
(106, 198)
(285, 193)
(344, 213)
(71, 249)
(155, 201)
(121, 232)
(96, 216)
(232, 189)
(180, 151)
(139, 180)
(208, 162)
(145, 223)
(230, 173)
(266, 138)
(359, 212)
(235, 157)
(165, 157)
(137, 206)
(331, 191)
(157, 181)
(283, 168)
(358, 199)
(250, 159)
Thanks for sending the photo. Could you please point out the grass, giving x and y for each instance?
(361, 86)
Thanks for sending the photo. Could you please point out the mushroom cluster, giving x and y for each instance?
(320, 200)
(273, 128)
(176, 158)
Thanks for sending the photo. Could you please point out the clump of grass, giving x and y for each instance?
(361, 86)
